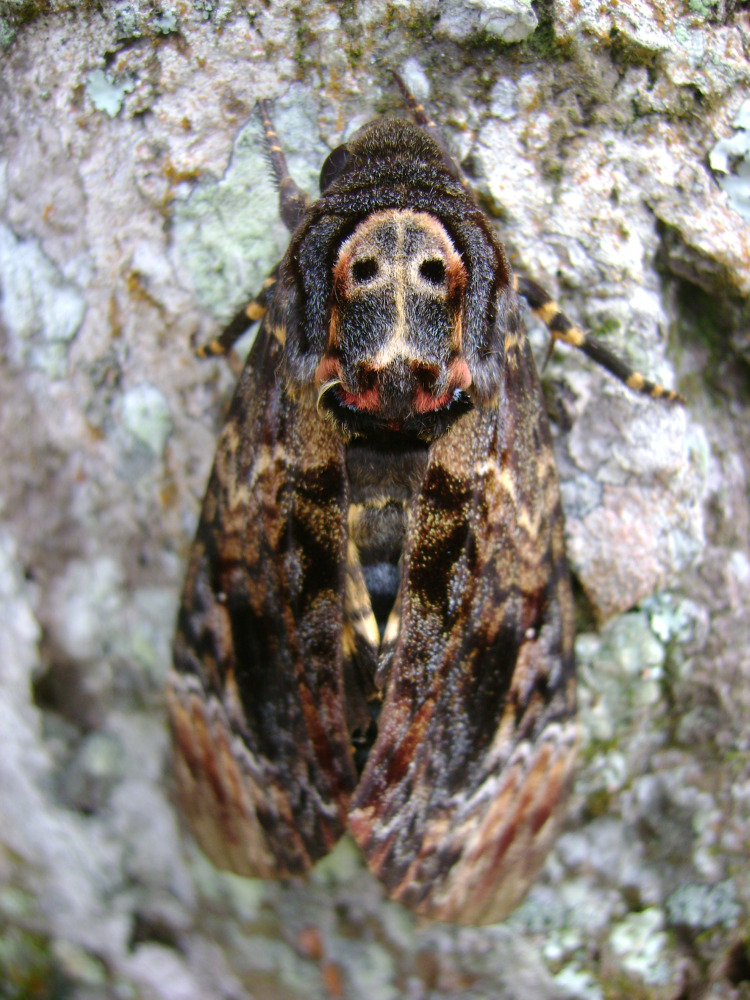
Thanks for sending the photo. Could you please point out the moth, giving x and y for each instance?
(376, 630)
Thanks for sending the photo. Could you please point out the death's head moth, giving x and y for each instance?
(376, 631)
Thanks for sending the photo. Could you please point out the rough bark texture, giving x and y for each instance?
(136, 212)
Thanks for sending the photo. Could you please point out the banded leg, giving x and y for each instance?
(422, 119)
(293, 201)
(560, 327)
(251, 313)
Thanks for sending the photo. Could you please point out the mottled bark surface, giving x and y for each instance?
(136, 213)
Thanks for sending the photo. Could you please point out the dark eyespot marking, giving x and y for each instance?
(433, 271)
(364, 270)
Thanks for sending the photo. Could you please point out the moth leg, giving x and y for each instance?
(424, 121)
(293, 201)
(253, 312)
(560, 327)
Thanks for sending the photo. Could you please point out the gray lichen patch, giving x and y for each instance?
(730, 158)
(40, 309)
(145, 418)
(700, 906)
(134, 20)
(90, 776)
(506, 20)
(86, 599)
(107, 93)
(640, 945)
(692, 49)
(415, 78)
(226, 231)
(656, 532)
(41, 843)
(622, 673)
(565, 918)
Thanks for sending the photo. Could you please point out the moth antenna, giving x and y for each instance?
(424, 121)
(418, 111)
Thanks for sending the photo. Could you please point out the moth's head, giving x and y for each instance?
(399, 294)
(393, 355)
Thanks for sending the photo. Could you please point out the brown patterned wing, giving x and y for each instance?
(263, 760)
(463, 791)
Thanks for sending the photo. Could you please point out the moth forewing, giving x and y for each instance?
(256, 697)
(464, 788)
